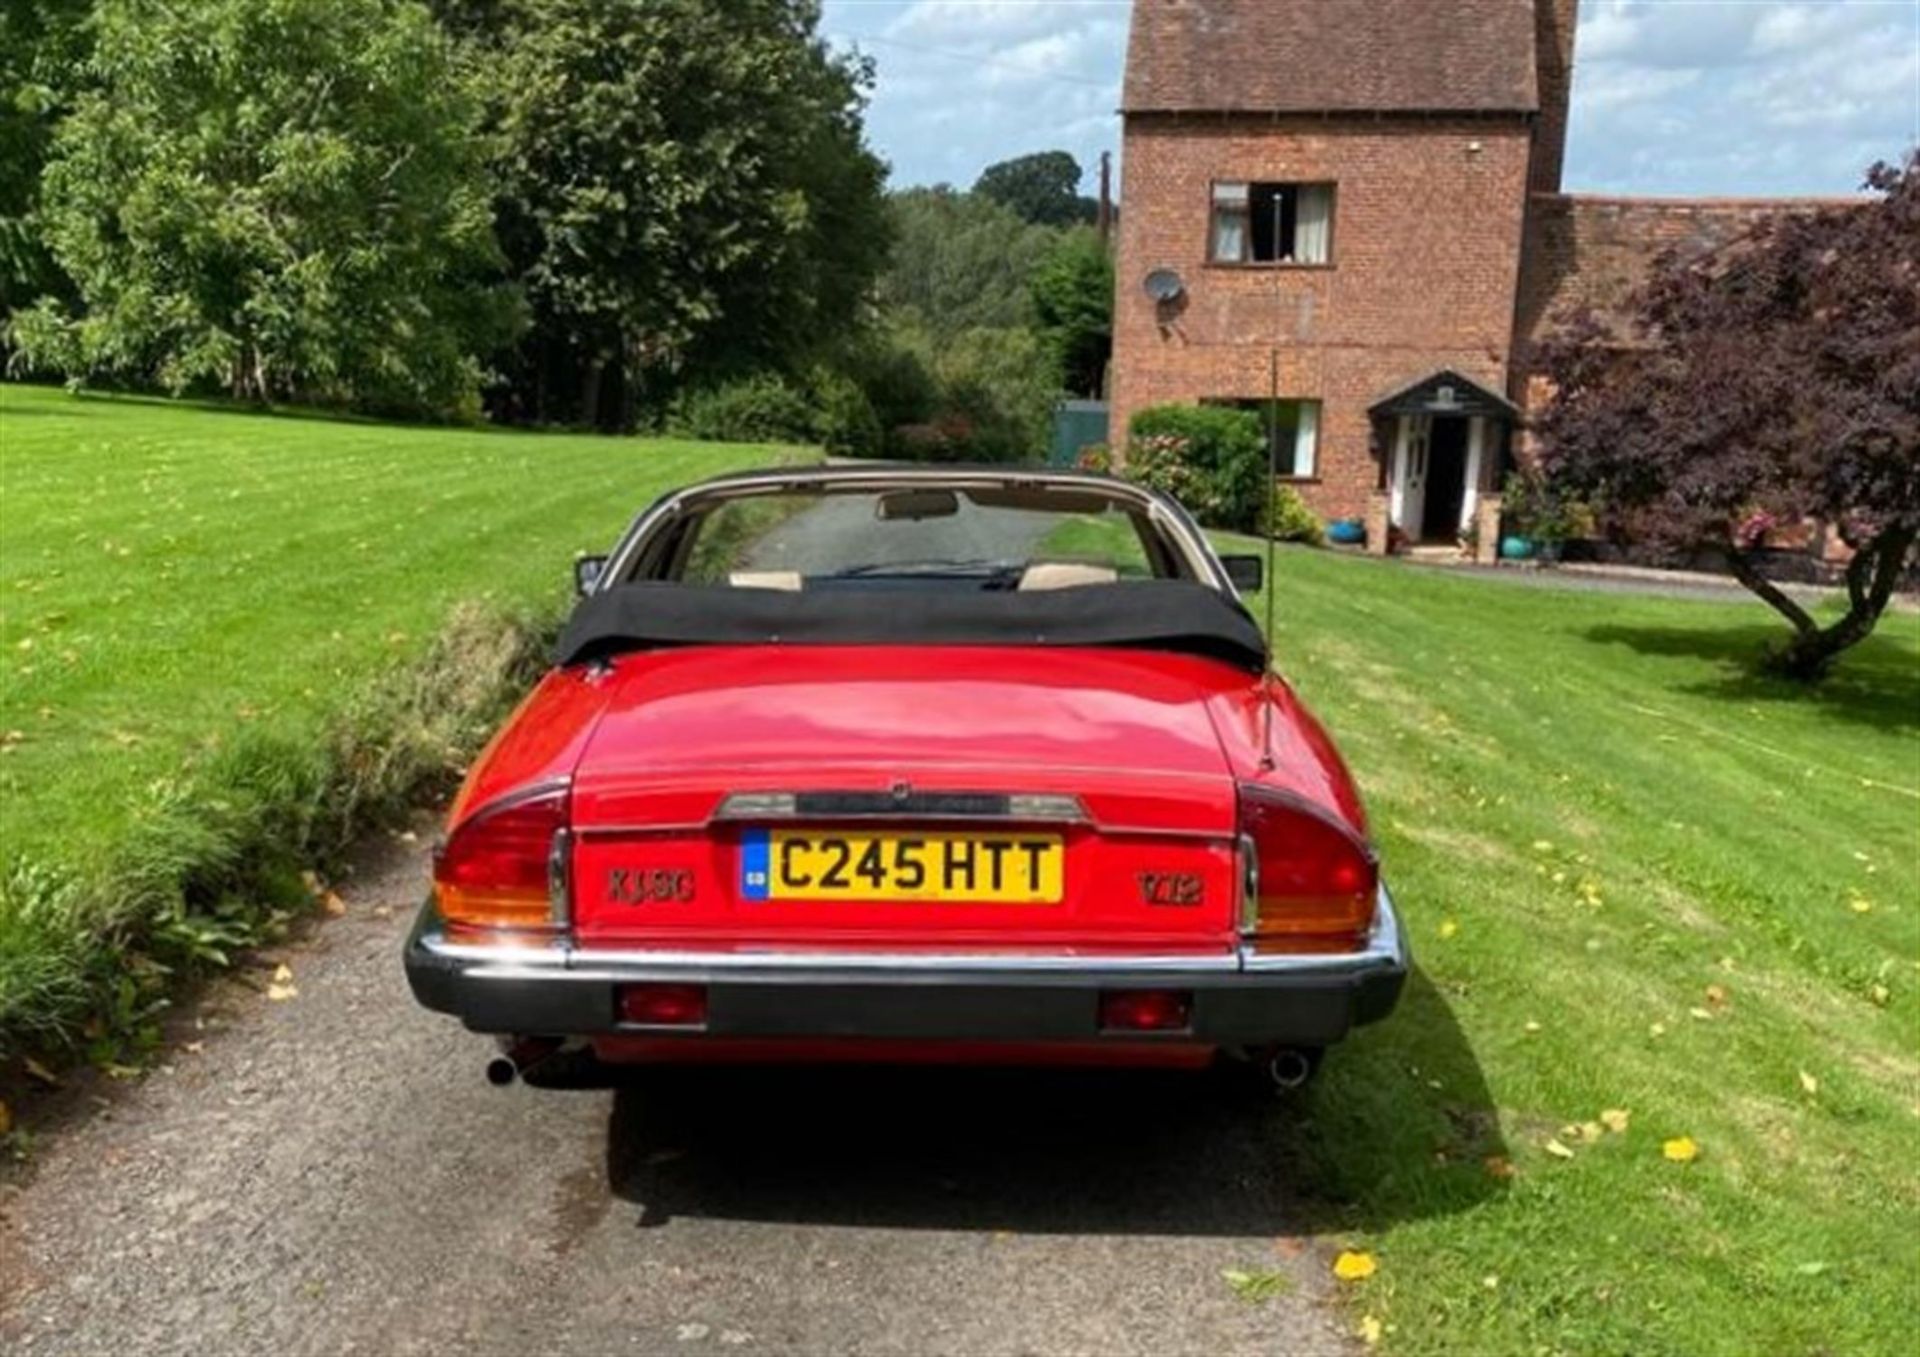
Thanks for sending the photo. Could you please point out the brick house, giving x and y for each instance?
(1357, 203)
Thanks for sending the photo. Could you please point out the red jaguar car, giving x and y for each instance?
(910, 764)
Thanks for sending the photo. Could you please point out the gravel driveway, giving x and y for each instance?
(330, 1174)
(841, 530)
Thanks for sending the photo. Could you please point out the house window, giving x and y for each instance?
(1295, 426)
(1271, 223)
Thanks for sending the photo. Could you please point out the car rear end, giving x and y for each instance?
(854, 860)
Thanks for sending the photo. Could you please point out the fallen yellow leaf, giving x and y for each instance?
(1681, 1149)
(1615, 1119)
(1658, 1029)
(1448, 928)
(1557, 1150)
(1591, 1131)
(1369, 1330)
(1716, 995)
(333, 904)
(1532, 1026)
(1860, 905)
(1542, 846)
(1354, 1267)
(282, 974)
(281, 993)
(1809, 1083)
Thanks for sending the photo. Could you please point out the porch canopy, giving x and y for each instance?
(1440, 443)
(1444, 392)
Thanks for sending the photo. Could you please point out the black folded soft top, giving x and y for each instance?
(1169, 615)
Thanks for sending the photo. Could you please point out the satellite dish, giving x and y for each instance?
(1163, 285)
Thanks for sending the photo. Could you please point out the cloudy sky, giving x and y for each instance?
(1670, 96)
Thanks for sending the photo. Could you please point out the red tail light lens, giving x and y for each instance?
(1311, 881)
(662, 1004)
(495, 870)
(1145, 1010)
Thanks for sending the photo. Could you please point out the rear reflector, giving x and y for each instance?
(661, 1004)
(1145, 1010)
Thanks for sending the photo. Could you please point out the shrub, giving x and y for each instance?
(1095, 457)
(1211, 458)
(1291, 520)
(761, 408)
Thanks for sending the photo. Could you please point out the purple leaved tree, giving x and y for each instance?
(1775, 381)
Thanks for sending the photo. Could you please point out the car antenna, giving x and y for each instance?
(1266, 527)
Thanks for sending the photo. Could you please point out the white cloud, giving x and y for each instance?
(1670, 96)
(1741, 96)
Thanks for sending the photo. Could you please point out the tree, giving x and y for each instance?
(1777, 382)
(960, 262)
(280, 197)
(683, 186)
(42, 50)
(1072, 291)
(1043, 188)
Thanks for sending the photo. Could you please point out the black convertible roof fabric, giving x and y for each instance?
(1143, 614)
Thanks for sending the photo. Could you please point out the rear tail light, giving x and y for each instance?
(1310, 879)
(1145, 1010)
(504, 867)
(662, 1004)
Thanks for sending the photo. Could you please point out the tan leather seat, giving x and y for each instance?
(786, 580)
(1064, 575)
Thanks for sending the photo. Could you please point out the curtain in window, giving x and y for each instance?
(1230, 221)
(1312, 223)
(1306, 438)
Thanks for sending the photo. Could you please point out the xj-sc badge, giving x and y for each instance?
(1172, 888)
(639, 885)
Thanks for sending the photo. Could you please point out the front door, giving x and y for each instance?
(1445, 481)
(1410, 474)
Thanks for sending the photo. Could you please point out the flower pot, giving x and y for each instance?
(1513, 547)
(1346, 531)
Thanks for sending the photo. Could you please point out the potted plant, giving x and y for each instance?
(1535, 517)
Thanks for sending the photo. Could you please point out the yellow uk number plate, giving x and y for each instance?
(842, 864)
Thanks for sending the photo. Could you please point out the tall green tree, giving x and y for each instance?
(43, 47)
(1072, 291)
(683, 186)
(961, 262)
(1043, 188)
(282, 198)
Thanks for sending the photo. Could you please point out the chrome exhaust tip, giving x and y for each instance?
(517, 1056)
(1289, 1069)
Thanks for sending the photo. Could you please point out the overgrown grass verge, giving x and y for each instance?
(213, 860)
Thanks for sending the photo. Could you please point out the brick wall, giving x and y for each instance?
(1591, 253)
(1425, 256)
(1554, 22)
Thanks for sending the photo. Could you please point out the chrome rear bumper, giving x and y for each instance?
(1239, 997)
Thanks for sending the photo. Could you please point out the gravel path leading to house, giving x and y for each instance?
(331, 1174)
(841, 530)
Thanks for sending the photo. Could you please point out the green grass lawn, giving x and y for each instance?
(1636, 878)
(181, 585)
(172, 575)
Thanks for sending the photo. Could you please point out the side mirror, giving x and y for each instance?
(1247, 572)
(586, 573)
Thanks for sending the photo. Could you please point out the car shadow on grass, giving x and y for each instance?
(1398, 1124)
(1876, 683)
